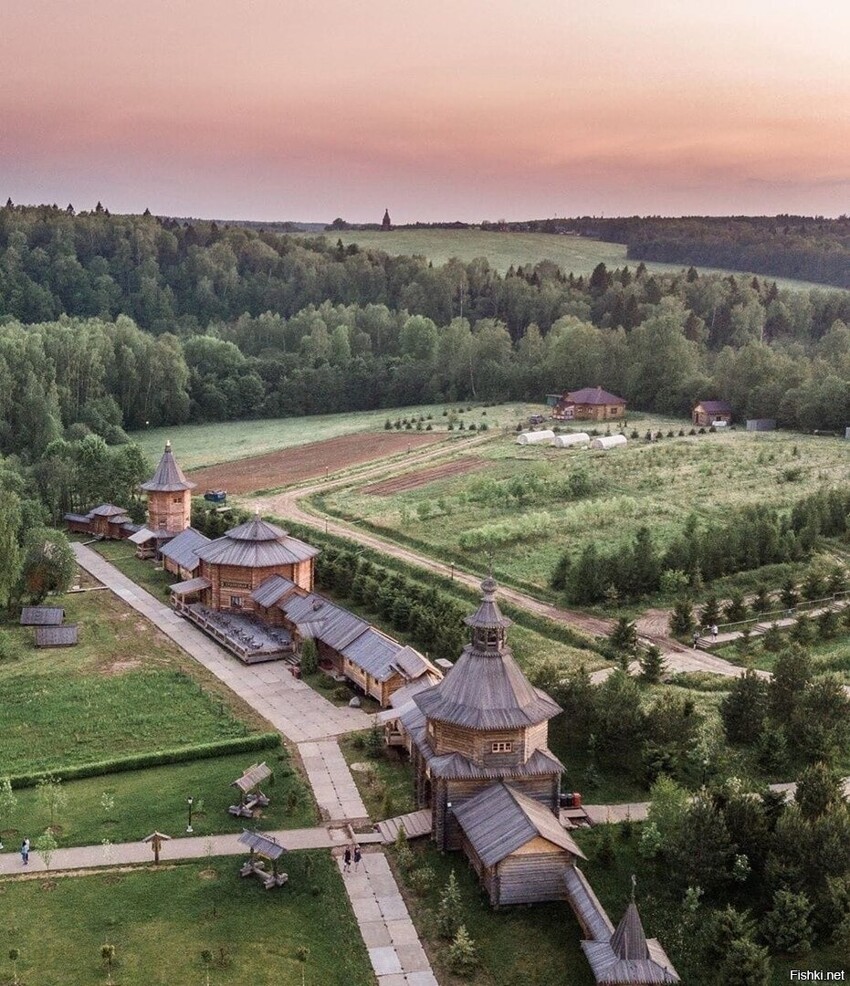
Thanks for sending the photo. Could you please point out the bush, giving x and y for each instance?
(140, 761)
(422, 880)
(787, 928)
(450, 911)
(309, 657)
(463, 958)
(342, 693)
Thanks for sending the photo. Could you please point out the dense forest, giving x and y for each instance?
(803, 247)
(113, 322)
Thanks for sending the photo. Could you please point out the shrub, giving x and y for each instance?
(463, 958)
(773, 639)
(787, 928)
(309, 657)
(449, 912)
(342, 693)
(422, 880)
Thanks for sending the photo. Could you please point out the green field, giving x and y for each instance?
(521, 507)
(503, 250)
(196, 446)
(143, 801)
(161, 920)
(125, 689)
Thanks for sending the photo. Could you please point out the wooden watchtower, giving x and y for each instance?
(484, 722)
(169, 497)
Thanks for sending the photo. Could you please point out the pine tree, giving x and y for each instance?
(710, 612)
(744, 709)
(463, 957)
(745, 964)
(651, 665)
(682, 619)
(449, 911)
(787, 927)
(818, 789)
(623, 638)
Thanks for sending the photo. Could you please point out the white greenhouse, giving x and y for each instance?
(565, 441)
(535, 437)
(608, 441)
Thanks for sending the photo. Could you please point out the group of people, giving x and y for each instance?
(712, 630)
(347, 857)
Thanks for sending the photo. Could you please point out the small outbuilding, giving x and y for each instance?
(608, 442)
(516, 845)
(179, 555)
(64, 636)
(761, 424)
(568, 441)
(707, 413)
(535, 437)
(42, 616)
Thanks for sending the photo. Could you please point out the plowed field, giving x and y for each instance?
(294, 465)
(421, 477)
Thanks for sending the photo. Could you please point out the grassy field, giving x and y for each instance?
(155, 799)
(521, 507)
(196, 446)
(384, 781)
(826, 655)
(160, 921)
(150, 576)
(126, 688)
(571, 253)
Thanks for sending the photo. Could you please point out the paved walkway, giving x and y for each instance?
(391, 939)
(195, 847)
(291, 706)
(332, 783)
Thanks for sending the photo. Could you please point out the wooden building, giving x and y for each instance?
(589, 404)
(169, 496)
(234, 566)
(376, 663)
(624, 956)
(179, 554)
(106, 521)
(516, 845)
(484, 722)
(708, 413)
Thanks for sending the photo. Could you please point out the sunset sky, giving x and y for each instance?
(311, 109)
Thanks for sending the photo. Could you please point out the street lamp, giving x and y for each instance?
(190, 801)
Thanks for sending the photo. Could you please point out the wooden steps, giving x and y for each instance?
(415, 824)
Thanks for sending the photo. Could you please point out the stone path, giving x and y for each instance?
(291, 706)
(332, 783)
(195, 847)
(307, 719)
(391, 939)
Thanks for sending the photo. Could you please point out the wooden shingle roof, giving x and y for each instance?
(261, 844)
(182, 549)
(272, 590)
(256, 544)
(594, 396)
(168, 477)
(500, 819)
(254, 775)
(42, 616)
(64, 636)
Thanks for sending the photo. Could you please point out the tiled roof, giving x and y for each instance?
(593, 395)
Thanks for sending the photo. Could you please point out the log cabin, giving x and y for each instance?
(707, 413)
(589, 404)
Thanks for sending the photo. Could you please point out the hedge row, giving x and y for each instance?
(156, 758)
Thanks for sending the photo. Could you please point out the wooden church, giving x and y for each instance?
(484, 723)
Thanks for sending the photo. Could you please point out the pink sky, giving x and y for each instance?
(311, 109)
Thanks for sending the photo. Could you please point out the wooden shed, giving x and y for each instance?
(179, 555)
(42, 616)
(64, 636)
(707, 413)
(516, 845)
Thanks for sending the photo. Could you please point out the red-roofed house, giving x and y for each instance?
(589, 404)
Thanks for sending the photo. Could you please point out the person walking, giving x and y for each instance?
(25, 851)
(696, 638)
(714, 633)
(357, 857)
(346, 859)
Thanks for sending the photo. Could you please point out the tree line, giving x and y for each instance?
(745, 539)
(809, 248)
(255, 324)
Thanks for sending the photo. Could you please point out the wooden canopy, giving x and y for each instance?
(253, 776)
(262, 845)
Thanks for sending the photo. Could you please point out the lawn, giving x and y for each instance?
(161, 920)
(503, 250)
(385, 781)
(532, 946)
(146, 573)
(126, 807)
(521, 507)
(125, 689)
(196, 446)
(826, 655)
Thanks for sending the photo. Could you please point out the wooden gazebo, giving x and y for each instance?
(250, 795)
(262, 849)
